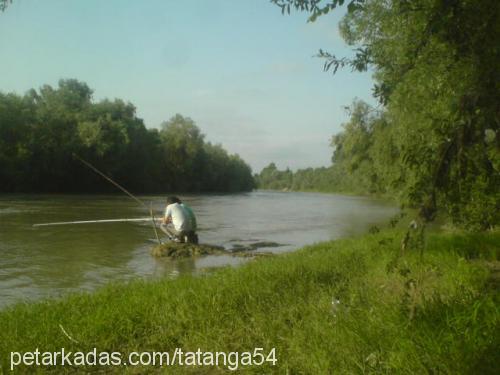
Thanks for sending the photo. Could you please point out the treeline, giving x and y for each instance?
(41, 132)
(434, 141)
(364, 161)
(308, 179)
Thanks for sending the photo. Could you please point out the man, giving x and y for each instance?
(179, 222)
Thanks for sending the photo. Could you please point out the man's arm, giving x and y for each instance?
(167, 219)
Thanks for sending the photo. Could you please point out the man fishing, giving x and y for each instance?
(179, 222)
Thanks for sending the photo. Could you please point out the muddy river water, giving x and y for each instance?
(42, 262)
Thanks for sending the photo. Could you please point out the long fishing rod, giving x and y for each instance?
(153, 220)
(94, 221)
(110, 180)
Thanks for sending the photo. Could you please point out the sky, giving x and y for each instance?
(245, 73)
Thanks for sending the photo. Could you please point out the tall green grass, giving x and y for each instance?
(405, 314)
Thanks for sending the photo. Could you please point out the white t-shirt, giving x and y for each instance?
(179, 216)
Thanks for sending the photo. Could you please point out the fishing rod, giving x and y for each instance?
(110, 180)
(152, 218)
(94, 221)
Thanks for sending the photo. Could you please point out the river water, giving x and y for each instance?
(41, 262)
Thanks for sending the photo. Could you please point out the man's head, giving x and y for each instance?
(173, 199)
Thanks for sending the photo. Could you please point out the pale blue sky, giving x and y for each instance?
(240, 69)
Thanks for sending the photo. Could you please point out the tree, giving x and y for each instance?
(53, 138)
(183, 152)
(436, 65)
(41, 132)
(16, 118)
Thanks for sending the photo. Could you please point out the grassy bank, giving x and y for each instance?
(397, 314)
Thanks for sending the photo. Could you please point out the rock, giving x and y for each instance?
(258, 245)
(183, 250)
(254, 246)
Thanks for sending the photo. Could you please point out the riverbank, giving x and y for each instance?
(346, 306)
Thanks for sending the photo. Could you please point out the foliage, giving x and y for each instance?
(364, 160)
(40, 132)
(316, 7)
(4, 4)
(340, 309)
(436, 66)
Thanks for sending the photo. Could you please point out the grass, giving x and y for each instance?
(397, 314)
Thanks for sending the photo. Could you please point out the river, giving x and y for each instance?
(41, 262)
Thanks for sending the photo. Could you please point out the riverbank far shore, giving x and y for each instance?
(346, 306)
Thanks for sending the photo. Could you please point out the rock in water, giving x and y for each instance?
(254, 246)
(183, 250)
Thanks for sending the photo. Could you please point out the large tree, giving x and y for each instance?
(436, 67)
